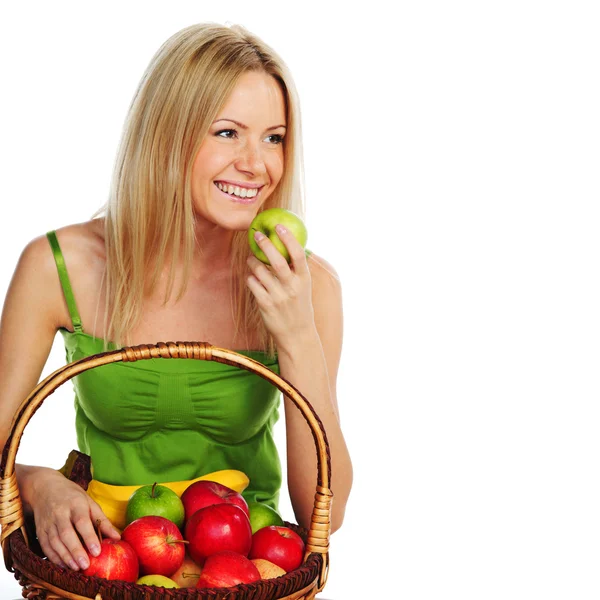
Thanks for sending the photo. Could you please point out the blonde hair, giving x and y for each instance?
(149, 213)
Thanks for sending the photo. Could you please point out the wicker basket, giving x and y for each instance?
(43, 580)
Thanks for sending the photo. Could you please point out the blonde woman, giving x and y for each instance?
(212, 138)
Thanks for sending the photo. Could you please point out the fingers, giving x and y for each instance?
(69, 539)
(276, 259)
(256, 287)
(58, 551)
(51, 554)
(264, 275)
(85, 527)
(294, 248)
(47, 541)
(106, 527)
(71, 542)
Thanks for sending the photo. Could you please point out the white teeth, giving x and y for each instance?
(242, 192)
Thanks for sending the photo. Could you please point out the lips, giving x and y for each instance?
(240, 199)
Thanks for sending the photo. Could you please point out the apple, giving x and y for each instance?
(267, 569)
(217, 528)
(117, 560)
(155, 500)
(204, 493)
(188, 573)
(159, 580)
(265, 222)
(227, 569)
(279, 545)
(158, 544)
(262, 515)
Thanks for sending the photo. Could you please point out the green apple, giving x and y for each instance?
(160, 580)
(265, 222)
(157, 501)
(262, 515)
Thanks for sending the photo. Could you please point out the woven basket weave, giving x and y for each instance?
(43, 580)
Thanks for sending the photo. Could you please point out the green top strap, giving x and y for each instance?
(64, 280)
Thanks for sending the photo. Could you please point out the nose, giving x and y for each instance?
(250, 159)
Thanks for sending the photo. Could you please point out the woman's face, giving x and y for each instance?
(240, 162)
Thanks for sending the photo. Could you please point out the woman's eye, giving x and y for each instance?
(275, 138)
(227, 133)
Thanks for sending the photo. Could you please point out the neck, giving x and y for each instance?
(213, 247)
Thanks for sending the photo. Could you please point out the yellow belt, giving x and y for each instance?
(113, 498)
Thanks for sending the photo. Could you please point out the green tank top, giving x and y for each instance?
(172, 419)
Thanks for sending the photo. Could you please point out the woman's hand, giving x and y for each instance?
(283, 292)
(65, 518)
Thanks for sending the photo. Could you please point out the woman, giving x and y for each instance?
(212, 138)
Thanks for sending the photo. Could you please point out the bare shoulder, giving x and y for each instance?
(82, 241)
(82, 247)
(325, 278)
(326, 296)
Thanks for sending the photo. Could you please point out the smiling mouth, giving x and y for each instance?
(239, 194)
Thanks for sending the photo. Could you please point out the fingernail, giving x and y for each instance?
(280, 229)
(95, 549)
(258, 236)
(84, 563)
(73, 565)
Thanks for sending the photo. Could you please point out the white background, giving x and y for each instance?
(452, 153)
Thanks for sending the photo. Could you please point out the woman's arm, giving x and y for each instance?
(30, 320)
(302, 308)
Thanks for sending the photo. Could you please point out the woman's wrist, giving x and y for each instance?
(32, 479)
(299, 344)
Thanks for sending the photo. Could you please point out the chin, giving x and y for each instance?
(240, 223)
(236, 222)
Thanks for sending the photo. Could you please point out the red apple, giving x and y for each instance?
(218, 528)
(117, 560)
(226, 569)
(158, 544)
(280, 545)
(188, 573)
(204, 493)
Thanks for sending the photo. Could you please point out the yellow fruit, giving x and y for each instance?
(267, 569)
(113, 498)
(160, 580)
(188, 573)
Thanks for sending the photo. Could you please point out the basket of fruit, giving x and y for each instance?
(281, 561)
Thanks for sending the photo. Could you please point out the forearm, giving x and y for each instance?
(303, 364)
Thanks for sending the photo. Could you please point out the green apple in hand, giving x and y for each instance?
(265, 222)
(155, 500)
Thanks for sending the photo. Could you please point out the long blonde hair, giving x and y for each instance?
(149, 213)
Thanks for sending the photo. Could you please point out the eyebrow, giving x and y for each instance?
(242, 126)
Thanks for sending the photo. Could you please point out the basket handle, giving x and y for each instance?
(11, 507)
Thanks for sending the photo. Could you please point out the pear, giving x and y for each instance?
(267, 569)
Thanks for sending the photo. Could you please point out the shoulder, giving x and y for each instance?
(326, 295)
(325, 278)
(82, 247)
(82, 242)
(75, 241)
